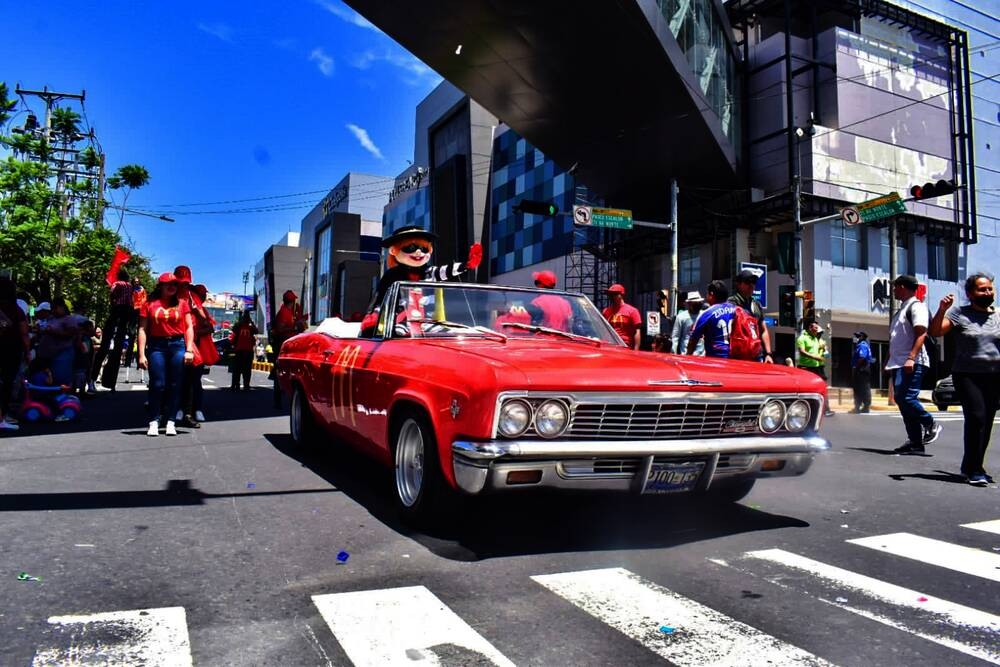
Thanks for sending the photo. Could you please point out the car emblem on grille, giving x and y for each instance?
(685, 382)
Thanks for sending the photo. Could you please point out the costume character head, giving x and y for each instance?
(410, 246)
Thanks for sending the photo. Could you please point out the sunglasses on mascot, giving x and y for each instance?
(413, 247)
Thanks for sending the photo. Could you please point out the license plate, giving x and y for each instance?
(672, 477)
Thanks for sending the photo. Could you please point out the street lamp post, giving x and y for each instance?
(799, 133)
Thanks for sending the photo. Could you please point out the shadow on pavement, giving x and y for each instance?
(532, 522)
(177, 492)
(941, 476)
(887, 452)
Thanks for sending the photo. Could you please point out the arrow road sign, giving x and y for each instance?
(850, 216)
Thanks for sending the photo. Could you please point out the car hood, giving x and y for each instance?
(560, 365)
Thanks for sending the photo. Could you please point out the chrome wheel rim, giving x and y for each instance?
(409, 463)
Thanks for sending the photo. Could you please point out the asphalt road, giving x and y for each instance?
(220, 547)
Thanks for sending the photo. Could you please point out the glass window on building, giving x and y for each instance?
(689, 266)
(902, 251)
(846, 245)
(322, 292)
(942, 260)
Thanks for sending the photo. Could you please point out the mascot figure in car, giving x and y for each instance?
(410, 250)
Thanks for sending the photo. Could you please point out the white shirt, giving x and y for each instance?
(901, 335)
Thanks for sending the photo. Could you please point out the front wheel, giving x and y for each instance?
(301, 422)
(421, 489)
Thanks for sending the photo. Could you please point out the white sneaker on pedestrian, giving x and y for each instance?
(931, 433)
(179, 416)
(199, 416)
(7, 426)
(154, 428)
(171, 429)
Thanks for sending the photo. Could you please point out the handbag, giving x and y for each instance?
(205, 353)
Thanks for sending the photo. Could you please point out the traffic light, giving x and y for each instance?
(786, 305)
(536, 207)
(808, 307)
(930, 190)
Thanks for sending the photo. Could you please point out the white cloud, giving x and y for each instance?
(415, 72)
(322, 60)
(219, 30)
(347, 14)
(361, 134)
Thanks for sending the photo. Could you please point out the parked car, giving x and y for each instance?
(460, 390)
(223, 346)
(944, 394)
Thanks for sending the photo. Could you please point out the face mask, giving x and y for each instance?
(982, 301)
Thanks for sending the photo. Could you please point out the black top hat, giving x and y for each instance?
(409, 232)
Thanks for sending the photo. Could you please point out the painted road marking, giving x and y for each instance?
(699, 635)
(403, 626)
(935, 552)
(936, 620)
(148, 637)
(988, 526)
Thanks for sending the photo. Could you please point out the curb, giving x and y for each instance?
(262, 366)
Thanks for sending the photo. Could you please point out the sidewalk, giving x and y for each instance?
(842, 400)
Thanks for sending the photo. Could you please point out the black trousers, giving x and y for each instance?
(242, 367)
(115, 329)
(862, 384)
(979, 393)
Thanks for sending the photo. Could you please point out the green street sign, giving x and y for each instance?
(880, 207)
(615, 218)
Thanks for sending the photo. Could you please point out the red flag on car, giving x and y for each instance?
(121, 256)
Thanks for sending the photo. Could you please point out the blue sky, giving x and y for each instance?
(223, 101)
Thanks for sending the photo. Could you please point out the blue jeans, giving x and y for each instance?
(906, 389)
(166, 365)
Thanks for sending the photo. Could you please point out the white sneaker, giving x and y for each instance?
(154, 428)
(179, 416)
(171, 430)
(199, 416)
(7, 426)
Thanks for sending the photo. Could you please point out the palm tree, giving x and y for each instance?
(128, 177)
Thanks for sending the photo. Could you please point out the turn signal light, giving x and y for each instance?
(772, 465)
(524, 477)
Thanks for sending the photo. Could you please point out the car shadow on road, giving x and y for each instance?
(533, 522)
(888, 452)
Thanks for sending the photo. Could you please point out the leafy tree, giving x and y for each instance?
(128, 178)
(49, 255)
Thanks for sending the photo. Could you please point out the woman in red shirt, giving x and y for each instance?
(166, 344)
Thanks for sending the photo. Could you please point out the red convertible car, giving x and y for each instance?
(474, 389)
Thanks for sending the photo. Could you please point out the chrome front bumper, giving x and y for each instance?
(482, 467)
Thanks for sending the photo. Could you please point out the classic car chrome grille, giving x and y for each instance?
(661, 420)
(600, 467)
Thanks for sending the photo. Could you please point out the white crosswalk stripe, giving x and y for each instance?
(935, 552)
(407, 625)
(987, 526)
(692, 634)
(403, 626)
(148, 637)
(925, 616)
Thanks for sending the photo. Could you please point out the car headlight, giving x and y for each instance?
(515, 417)
(772, 415)
(797, 416)
(551, 418)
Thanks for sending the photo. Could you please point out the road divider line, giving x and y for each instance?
(987, 526)
(935, 552)
(676, 628)
(931, 618)
(150, 637)
(403, 626)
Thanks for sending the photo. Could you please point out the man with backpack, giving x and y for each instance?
(744, 284)
(908, 361)
(714, 323)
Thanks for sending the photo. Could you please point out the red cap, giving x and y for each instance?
(616, 289)
(289, 295)
(166, 278)
(183, 274)
(545, 279)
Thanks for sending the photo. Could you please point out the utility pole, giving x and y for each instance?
(246, 279)
(50, 97)
(673, 243)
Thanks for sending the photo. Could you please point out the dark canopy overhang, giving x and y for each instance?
(602, 85)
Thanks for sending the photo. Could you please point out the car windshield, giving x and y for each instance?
(453, 309)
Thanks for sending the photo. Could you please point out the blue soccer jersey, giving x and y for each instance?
(714, 324)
